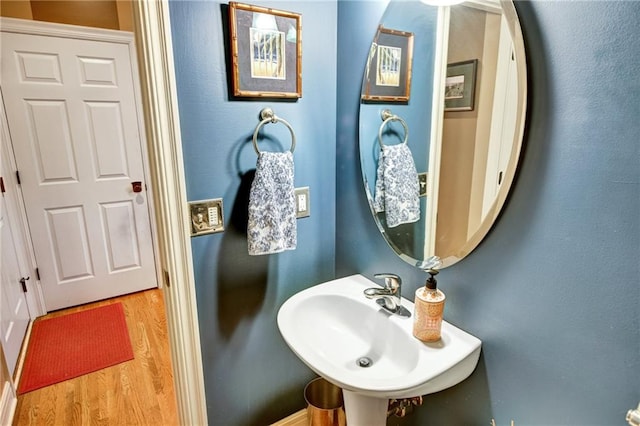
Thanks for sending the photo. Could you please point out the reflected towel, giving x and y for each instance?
(397, 188)
(272, 210)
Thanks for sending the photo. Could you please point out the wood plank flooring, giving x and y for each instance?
(299, 418)
(136, 392)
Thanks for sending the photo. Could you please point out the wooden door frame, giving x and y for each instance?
(164, 170)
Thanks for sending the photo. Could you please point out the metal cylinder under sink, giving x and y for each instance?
(325, 406)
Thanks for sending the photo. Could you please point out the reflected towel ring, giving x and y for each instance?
(267, 115)
(387, 117)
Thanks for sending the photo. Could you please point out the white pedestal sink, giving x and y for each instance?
(372, 355)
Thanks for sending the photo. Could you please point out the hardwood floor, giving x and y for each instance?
(136, 392)
(299, 418)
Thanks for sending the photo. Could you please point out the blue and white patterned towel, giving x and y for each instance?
(272, 209)
(397, 188)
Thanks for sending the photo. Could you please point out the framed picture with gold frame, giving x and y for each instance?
(388, 73)
(266, 52)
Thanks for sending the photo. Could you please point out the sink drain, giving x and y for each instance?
(364, 362)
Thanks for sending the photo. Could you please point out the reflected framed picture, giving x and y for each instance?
(460, 86)
(388, 73)
(266, 52)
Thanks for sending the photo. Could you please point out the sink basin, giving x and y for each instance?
(371, 354)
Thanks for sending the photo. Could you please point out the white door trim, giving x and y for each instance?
(153, 35)
(8, 402)
(437, 124)
(51, 29)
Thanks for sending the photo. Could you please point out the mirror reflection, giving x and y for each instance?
(465, 119)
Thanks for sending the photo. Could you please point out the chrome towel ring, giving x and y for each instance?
(267, 115)
(387, 116)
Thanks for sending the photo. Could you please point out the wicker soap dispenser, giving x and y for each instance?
(429, 307)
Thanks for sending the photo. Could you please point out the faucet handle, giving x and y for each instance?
(391, 281)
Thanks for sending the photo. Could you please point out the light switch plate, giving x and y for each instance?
(206, 216)
(303, 202)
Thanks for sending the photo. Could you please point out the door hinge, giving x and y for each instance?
(2, 185)
(18, 177)
(167, 280)
(38, 274)
(23, 282)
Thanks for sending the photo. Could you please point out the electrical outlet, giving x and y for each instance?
(207, 216)
(302, 202)
(422, 181)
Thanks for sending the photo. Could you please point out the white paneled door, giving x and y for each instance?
(74, 127)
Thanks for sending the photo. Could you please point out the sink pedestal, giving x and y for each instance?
(362, 410)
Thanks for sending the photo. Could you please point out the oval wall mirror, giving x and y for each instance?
(454, 78)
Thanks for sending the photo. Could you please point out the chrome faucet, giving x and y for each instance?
(389, 297)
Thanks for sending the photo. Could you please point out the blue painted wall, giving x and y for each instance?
(554, 290)
(251, 377)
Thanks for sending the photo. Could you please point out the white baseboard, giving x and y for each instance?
(7, 404)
